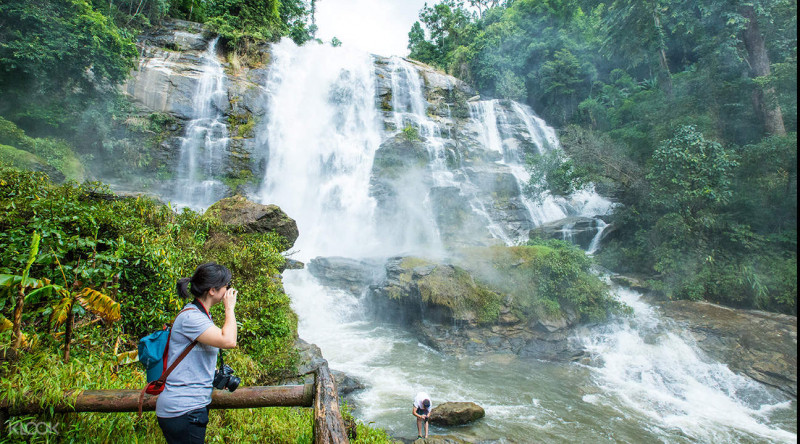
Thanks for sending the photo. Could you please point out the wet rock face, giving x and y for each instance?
(578, 230)
(758, 344)
(348, 274)
(456, 413)
(452, 312)
(346, 384)
(166, 81)
(246, 216)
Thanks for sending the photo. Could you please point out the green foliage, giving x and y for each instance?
(449, 25)
(511, 87)
(410, 132)
(21, 159)
(58, 154)
(690, 173)
(543, 279)
(242, 22)
(553, 171)
(134, 250)
(562, 80)
(56, 54)
(368, 435)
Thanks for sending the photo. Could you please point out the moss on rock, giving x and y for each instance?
(241, 215)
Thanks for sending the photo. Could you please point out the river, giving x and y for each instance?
(644, 382)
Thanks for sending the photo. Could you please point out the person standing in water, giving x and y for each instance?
(422, 410)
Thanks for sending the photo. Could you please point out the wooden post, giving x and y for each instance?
(328, 424)
(128, 400)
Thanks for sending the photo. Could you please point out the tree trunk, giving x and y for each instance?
(68, 333)
(18, 317)
(764, 99)
(666, 75)
(128, 400)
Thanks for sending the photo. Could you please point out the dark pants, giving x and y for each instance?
(189, 428)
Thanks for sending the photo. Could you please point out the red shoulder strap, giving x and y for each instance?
(169, 336)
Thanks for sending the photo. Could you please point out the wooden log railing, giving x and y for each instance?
(322, 395)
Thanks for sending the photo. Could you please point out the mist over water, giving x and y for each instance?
(644, 381)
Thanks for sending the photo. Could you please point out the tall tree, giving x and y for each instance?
(635, 30)
(764, 97)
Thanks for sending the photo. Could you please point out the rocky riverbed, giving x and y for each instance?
(758, 344)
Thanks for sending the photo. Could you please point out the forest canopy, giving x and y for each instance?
(683, 112)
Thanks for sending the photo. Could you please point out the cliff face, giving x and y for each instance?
(172, 64)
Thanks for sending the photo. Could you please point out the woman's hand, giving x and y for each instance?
(229, 299)
(224, 337)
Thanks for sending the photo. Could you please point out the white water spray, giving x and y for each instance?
(322, 132)
(643, 366)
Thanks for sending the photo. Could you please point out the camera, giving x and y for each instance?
(224, 379)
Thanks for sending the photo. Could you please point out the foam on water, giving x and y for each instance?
(644, 366)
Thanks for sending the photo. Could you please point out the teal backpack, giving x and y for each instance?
(151, 352)
(153, 348)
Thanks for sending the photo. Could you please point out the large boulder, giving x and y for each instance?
(416, 289)
(456, 413)
(758, 344)
(453, 310)
(245, 216)
(348, 274)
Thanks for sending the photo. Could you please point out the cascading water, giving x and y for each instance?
(203, 146)
(322, 131)
(643, 367)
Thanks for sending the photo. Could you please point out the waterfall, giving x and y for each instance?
(322, 132)
(594, 245)
(204, 144)
(486, 115)
(409, 108)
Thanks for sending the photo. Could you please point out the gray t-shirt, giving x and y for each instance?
(188, 387)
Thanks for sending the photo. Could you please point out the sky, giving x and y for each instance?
(376, 26)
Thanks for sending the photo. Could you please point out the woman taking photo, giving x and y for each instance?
(182, 408)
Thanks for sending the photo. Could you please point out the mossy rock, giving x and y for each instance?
(456, 413)
(398, 155)
(447, 290)
(24, 160)
(549, 283)
(241, 215)
(455, 288)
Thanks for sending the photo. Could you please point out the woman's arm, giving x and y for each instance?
(224, 337)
